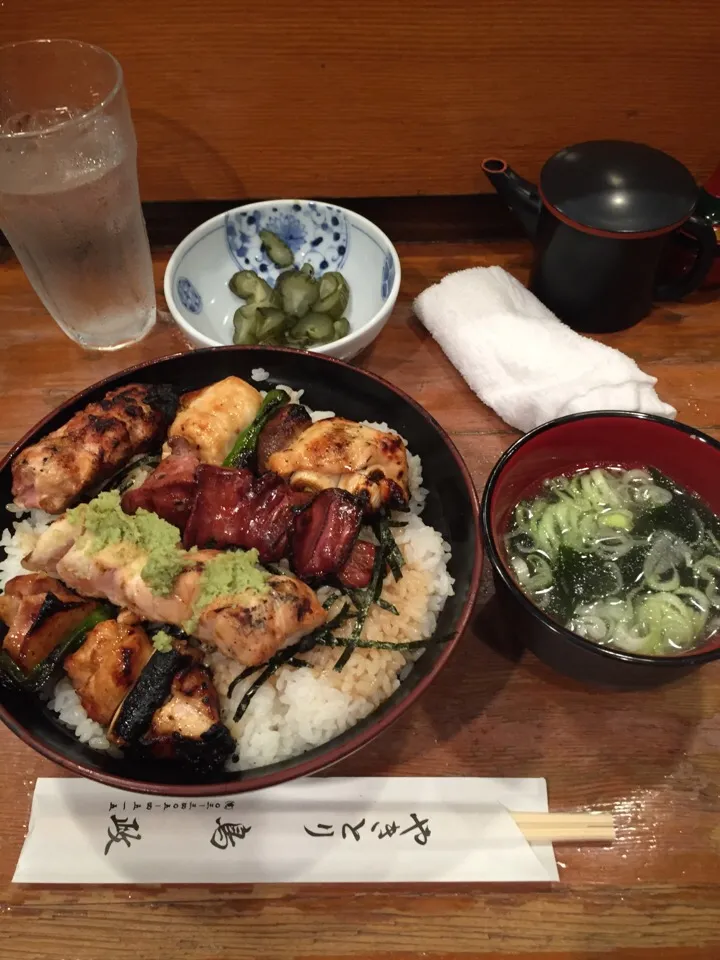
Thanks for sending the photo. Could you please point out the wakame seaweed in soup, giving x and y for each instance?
(624, 558)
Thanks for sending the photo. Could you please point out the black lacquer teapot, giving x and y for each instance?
(600, 219)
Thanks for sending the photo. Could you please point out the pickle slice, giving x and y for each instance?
(276, 248)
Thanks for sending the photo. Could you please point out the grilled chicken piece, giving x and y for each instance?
(248, 627)
(356, 573)
(341, 453)
(235, 509)
(135, 713)
(169, 491)
(214, 516)
(114, 573)
(251, 628)
(40, 612)
(211, 418)
(172, 714)
(29, 585)
(282, 429)
(105, 668)
(187, 726)
(51, 546)
(324, 533)
(54, 473)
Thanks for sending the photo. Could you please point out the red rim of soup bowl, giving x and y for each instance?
(352, 744)
(550, 438)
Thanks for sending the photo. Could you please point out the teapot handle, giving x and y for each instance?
(707, 248)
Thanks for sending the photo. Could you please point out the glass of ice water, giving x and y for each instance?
(69, 197)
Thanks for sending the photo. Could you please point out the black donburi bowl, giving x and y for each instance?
(329, 384)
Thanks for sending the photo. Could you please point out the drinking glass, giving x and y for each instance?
(69, 197)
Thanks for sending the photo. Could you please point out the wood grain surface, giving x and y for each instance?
(651, 758)
(375, 98)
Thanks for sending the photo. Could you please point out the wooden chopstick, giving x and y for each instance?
(566, 827)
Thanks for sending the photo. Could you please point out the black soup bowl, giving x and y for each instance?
(451, 507)
(564, 446)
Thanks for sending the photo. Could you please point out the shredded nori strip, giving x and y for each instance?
(372, 644)
(344, 657)
(284, 656)
(331, 600)
(121, 480)
(344, 614)
(273, 664)
(393, 554)
(358, 598)
(386, 605)
(370, 596)
(323, 637)
(243, 675)
(248, 671)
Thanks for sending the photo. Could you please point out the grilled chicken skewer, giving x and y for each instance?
(168, 712)
(69, 462)
(188, 722)
(39, 612)
(210, 419)
(170, 490)
(107, 665)
(173, 713)
(249, 626)
(338, 453)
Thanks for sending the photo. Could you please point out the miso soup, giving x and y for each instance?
(624, 558)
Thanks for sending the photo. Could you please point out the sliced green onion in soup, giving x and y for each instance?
(649, 551)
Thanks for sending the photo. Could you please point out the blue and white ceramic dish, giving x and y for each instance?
(327, 236)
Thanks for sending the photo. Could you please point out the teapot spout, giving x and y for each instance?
(519, 194)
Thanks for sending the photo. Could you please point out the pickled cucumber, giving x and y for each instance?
(301, 311)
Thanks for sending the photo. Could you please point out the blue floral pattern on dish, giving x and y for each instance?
(238, 241)
(317, 233)
(188, 295)
(388, 276)
(290, 229)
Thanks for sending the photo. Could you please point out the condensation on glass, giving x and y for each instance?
(69, 197)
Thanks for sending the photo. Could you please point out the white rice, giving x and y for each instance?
(66, 704)
(316, 415)
(258, 374)
(19, 541)
(298, 708)
(296, 396)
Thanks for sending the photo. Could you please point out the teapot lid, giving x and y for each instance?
(617, 186)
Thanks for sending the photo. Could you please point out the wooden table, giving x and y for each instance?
(652, 758)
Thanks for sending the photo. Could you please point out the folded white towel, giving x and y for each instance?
(521, 360)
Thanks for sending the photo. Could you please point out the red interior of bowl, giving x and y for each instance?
(685, 456)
